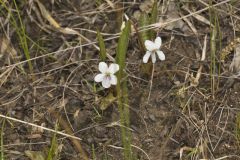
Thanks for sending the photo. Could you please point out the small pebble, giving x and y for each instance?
(152, 117)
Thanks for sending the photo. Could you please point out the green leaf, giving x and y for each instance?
(101, 43)
(122, 48)
(237, 128)
(144, 21)
(122, 95)
(107, 101)
(145, 35)
(153, 19)
(2, 157)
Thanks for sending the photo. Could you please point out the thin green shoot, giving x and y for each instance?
(1, 141)
(213, 37)
(220, 48)
(237, 128)
(53, 149)
(215, 43)
(20, 31)
(93, 153)
(23, 38)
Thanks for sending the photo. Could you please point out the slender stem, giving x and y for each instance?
(151, 83)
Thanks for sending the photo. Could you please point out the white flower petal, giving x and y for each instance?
(149, 45)
(153, 56)
(113, 68)
(158, 42)
(113, 80)
(99, 77)
(106, 83)
(161, 55)
(102, 67)
(146, 57)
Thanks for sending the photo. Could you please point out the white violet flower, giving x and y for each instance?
(107, 76)
(152, 49)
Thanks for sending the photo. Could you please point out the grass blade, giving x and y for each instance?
(215, 35)
(23, 37)
(53, 149)
(1, 141)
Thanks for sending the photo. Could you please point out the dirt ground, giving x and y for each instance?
(180, 120)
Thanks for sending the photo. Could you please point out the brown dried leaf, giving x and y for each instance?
(146, 6)
(6, 49)
(172, 13)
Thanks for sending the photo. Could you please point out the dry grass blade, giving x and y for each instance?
(66, 30)
(195, 80)
(184, 105)
(5, 75)
(53, 22)
(41, 127)
(69, 131)
(197, 16)
(159, 24)
(47, 15)
(190, 25)
(111, 4)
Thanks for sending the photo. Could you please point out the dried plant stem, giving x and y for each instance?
(41, 127)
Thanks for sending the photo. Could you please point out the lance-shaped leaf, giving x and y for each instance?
(122, 48)
(122, 91)
(153, 19)
(102, 47)
(144, 35)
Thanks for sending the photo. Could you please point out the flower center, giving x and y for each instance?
(108, 74)
(153, 51)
